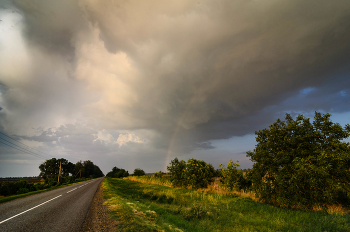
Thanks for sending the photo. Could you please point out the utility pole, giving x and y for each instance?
(59, 173)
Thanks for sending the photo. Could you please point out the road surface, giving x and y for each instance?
(62, 209)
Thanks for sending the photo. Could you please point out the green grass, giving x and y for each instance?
(146, 207)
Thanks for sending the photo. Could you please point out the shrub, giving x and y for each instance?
(232, 178)
(196, 173)
(139, 172)
(158, 174)
(121, 173)
(176, 171)
(22, 190)
(298, 163)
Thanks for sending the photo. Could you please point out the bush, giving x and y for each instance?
(22, 190)
(117, 173)
(139, 172)
(233, 178)
(158, 174)
(176, 171)
(121, 173)
(196, 173)
(302, 164)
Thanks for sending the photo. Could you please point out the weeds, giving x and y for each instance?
(145, 207)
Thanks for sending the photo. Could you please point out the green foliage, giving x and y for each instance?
(196, 173)
(196, 211)
(176, 171)
(302, 164)
(134, 204)
(22, 190)
(139, 172)
(233, 178)
(118, 173)
(159, 174)
(50, 169)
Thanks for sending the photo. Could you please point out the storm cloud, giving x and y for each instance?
(166, 78)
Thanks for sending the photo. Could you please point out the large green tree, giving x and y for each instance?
(299, 163)
(50, 168)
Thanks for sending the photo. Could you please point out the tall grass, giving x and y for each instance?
(150, 179)
(216, 187)
(149, 207)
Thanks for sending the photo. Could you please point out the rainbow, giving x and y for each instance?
(179, 121)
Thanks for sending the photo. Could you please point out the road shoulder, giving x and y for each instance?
(98, 218)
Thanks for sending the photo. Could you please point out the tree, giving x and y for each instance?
(89, 168)
(121, 173)
(198, 174)
(301, 164)
(233, 178)
(176, 171)
(97, 172)
(79, 169)
(50, 168)
(118, 173)
(139, 172)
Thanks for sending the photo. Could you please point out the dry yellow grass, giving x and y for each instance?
(216, 187)
(147, 181)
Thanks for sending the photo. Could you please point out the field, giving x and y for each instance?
(29, 180)
(150, 207)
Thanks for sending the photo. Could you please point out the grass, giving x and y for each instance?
(148, 207)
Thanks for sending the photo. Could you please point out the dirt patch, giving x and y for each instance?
(98, 218)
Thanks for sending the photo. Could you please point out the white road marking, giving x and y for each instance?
(71, 190)
(29, 209)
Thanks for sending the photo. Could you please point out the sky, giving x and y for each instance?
(134, 84)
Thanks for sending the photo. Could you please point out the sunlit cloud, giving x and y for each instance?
(141, 83)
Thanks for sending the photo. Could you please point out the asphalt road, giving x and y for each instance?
(61, 209)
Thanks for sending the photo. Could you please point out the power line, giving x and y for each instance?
(23, 148)
(23, 144)
(25, 151)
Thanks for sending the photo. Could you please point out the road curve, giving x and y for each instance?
(62, 209)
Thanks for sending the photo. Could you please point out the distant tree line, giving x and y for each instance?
(49, 171)
(120, 173)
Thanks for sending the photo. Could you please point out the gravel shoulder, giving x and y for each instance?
(98, 218)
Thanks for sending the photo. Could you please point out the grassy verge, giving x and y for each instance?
(13, 197)
(147, 207)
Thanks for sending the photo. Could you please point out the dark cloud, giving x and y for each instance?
(169, 78)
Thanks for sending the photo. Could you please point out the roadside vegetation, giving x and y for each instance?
(149, 207)
(55, 173)
(300, 181)
(30, 188)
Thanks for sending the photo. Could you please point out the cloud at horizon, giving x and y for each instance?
(140, 83)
